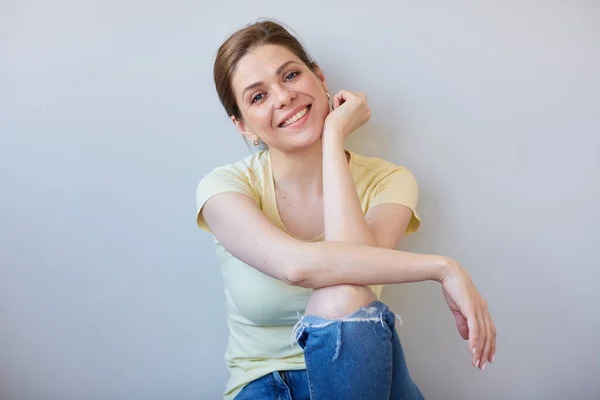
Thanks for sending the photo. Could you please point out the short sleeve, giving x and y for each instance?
(398, 186)
(228, 178)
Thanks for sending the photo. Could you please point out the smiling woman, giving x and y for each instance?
(274, 72)
(306, 228)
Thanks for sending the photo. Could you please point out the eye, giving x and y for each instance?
(292, 75)
(257, 97)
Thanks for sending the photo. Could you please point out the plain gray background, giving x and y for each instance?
(108, 119)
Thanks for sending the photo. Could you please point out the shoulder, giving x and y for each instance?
(379, 181)
(373, 170)
(253, 163)
(250, 169)
(245, 176)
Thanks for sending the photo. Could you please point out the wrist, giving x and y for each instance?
(444, 268)
(333, 136)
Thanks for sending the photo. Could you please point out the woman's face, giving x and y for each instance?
(282, 102)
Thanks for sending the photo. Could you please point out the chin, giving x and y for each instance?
(306, 133)
(308, 140)
(311, 132)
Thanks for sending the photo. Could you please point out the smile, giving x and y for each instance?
(298, 116)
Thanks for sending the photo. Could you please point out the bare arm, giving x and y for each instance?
(242, 228)
(245, 232)
(344, 219)
(385, 224)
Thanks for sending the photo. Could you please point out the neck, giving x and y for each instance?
(299, 170)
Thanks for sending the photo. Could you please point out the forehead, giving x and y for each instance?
(260, 64)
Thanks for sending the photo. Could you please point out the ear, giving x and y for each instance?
(244, 129)
(321, 75)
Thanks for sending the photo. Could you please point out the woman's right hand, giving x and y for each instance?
(350, 112)
(470, 311)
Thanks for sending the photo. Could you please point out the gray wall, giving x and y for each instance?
(108, 119)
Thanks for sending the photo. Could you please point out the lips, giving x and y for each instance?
(297, 113)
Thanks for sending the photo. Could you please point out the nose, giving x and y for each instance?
(284, 97)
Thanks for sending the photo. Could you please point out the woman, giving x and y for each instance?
(305, 228)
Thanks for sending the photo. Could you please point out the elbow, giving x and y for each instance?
(297, 276)
(304, 277)
(313, 266)
(300, 270)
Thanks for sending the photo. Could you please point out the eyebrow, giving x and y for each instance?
(277, 72)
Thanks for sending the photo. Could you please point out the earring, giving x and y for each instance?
(328, 96)
(256, 142)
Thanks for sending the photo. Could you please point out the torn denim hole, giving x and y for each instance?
(301, 325)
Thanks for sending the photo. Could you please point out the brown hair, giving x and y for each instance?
(241, 43)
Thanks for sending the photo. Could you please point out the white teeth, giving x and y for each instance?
(295, 118)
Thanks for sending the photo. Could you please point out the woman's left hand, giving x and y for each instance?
(350, 112)
(471, 314)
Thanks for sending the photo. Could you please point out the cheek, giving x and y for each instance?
(323, 109)
(259, 117)
(264, 116)
(322, 103)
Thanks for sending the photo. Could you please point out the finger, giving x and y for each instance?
(473, 325)
(461, 324)
(482, 339)
(485, 357)
(361, 95)
(493, 350)
(340, 98)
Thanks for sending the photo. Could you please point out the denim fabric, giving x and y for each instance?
(358, 357)
(284, 385)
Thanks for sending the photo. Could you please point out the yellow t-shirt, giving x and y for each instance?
(262, 310)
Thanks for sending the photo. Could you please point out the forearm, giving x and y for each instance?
(343, 216)
(324, 264)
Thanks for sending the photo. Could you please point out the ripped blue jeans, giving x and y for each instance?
(358, 357)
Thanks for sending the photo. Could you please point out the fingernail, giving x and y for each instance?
(477, 364)
(494, 356)
(483, 366)
(473, 350)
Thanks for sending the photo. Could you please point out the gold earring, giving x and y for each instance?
(328, 96)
